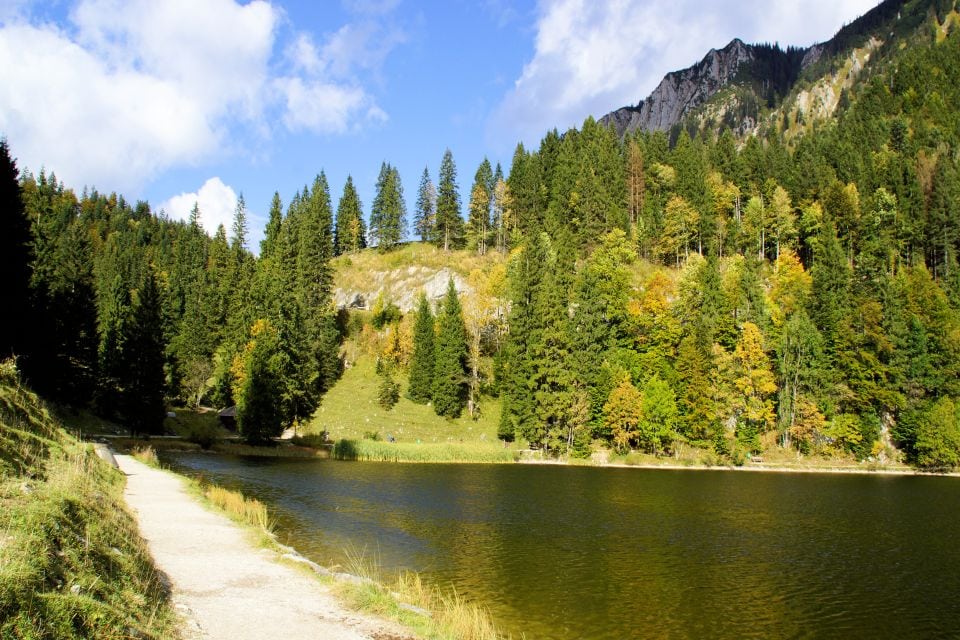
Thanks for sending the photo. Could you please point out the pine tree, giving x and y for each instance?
(553, 378)
(449, 221)
(388, 215)
(518, 409)
(425, 217)
(16, 257)
(831, 285)
(350, 235)
(144, 357)
(315, 287)
(259, 401)
(481, 196)
(271, 235)
(450, 368)
(422, 360)
(113, 320)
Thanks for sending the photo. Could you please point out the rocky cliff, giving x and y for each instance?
(682, 91)
(741, 84)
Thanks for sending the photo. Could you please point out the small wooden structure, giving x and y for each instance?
(228, 417)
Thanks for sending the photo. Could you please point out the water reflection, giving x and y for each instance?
(559, 552)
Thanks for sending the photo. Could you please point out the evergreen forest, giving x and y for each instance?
(795, 287)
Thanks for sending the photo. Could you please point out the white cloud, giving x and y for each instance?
(593, 57)
(130, 88)
(319, 106)
(216, 201)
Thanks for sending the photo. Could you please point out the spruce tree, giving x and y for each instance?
(550, 357)
(144, 357)
(422, 360)
(481, 196)
(350, 235)
(271, 235)
(449, 221)
(518, 409)
(16, 257)
(450, 366)
(315, 286)
(425, 217)
(259, 401)
(388, 224)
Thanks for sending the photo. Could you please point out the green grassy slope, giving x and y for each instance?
(72, 563)
(350, 410)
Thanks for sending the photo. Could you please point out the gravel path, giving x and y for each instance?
(224, 586)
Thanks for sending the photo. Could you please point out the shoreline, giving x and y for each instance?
(768, 469)
(302, 452)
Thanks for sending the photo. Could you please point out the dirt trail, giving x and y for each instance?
(224, 586)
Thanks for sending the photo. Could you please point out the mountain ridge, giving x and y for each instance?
(739, 81)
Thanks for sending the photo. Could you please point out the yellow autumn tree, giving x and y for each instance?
(483, 315)
(790, 287)
(622, 413)
(754, 382)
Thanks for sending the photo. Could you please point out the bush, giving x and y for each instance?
(205, 435)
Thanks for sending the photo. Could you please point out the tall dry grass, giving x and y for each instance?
(249, 511)
(429, 610)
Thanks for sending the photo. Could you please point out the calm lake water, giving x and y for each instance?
(568, 552)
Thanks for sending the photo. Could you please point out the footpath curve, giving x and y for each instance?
(223, 586)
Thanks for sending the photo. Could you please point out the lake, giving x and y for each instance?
(580, 552)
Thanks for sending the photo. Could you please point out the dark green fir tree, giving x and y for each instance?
(450, 368)
(422, 360)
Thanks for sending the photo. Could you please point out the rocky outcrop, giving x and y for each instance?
(682, 91)
(402, 287)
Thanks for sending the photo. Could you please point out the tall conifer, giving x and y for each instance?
(422, 361)
(351, 233)
(450, 368)
(449, 221)
(425, 217)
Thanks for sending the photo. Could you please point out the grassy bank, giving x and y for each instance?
(72, 563)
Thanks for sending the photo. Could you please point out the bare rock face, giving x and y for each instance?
(681, 91)
(402, 287)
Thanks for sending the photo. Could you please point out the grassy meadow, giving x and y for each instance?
(353, 418)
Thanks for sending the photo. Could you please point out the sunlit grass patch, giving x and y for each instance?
(239, 507)
(428, 610)
(380, 451)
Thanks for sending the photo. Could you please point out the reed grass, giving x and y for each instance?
(427, 452)
(146, 455)
(249, 511)
(430, 611)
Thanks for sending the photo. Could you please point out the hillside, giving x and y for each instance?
(72, 563)
(400, 275)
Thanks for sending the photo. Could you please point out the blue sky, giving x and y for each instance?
(177, 101)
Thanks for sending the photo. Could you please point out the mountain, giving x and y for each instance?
(744, 86)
